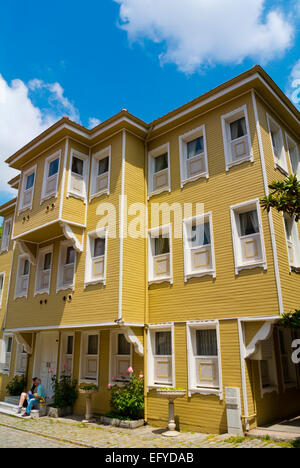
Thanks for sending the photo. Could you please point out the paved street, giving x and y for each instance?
(62, 433)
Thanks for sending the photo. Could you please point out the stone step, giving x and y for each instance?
(13, 400)
(11, 409)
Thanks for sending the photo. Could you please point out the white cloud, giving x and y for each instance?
(294, 85)
(21, 120)
(93, 122)
(198, 33)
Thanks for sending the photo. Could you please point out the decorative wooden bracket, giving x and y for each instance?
(133, 339)
(69, 234)
(20, 340)
(26, 250)
(263, 334)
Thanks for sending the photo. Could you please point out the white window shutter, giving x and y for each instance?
(2, 352)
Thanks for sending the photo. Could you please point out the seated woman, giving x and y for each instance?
(34, 396)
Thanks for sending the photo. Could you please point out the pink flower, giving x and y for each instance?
(50, 371)
(130, 370)
(113, 378)
(141, 376)
(65, 365)
(109, 386)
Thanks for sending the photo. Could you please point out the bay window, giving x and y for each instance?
(247, 234)
(159, 170)
(277, 145)
(95, 270)
(160, 255)
(121, 358)
(100, 174)
(160, 356)
(27, 189)
(43, 270)
(236, 137)
(51, 173)
(22, 280)
(193, 155)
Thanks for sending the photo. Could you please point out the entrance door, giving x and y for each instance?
(46, 359)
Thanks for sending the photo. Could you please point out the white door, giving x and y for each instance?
(46, 359)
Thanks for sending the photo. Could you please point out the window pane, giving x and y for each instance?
(206, 342)
(9, 345)
(294, 159)
(1, 283)
(70, 258)
(29, 181)
(103, 166)
(99, 247)
(53, 167)
(77, 166)
(199, 235)
(265, 374)
(123, 345)
(288, 228)
(47, 261)
(238, 128)
(195, 147)
(249, 223)
(26, 268)
(161, 162)
(162, 245)
(93, 344)
(7, 229)
(70, 345)
(163, 343)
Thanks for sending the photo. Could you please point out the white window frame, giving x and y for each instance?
(188, 273)
(293, 245)
(240, 208)
(152, 233)
(151, 162)
(40, 269)
(272, 371)
(152, 328)
(281, 162)
(115, 357)
(290, 143)
(63, 343)
(292, 367)
(4, 342)
(1, 290)
(183, 141)
(105, 153)
(21, 261)
(85, 176)
(60, 286)
(83, 356)
(48, 160)
(88, 279)
(226, 120)
(19, 355)
(6, 239)
(25, 175)
(191, 328)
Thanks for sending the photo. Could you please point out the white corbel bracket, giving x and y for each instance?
(133, 339)
(20, 340)
(69, 234)
(25, 250)
(263, 334)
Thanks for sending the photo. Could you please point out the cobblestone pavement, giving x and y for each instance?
(47, 432)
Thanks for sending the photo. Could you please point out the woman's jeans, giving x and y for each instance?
(31, 403)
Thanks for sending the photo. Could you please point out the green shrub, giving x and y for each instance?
(16, 386)
(127, 401)
(65, 391)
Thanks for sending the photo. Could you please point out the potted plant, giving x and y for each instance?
(127, 402)
(171, 393)
(64, 396)
(88, 390)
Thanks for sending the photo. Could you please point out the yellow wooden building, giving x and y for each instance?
(189, 293)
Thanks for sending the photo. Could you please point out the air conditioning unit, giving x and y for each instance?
(264, 351)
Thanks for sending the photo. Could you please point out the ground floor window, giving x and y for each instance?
(161, 357)
(66, 354)
(5, 353)
(121, 357)
(20, 360)
(289, 375)
(89, 357)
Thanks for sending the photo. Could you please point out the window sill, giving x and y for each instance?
(19, 296)
(78, 196)
(199, 275)
(269, 390)
(205, 391)
(157, 192)
(99, 194)
(65, 288)
(196, 177)
(42, 291)
(25, 208)
(240, 161)
(47, 197)
(2, 372)
(281, 169)
(88, 381)
(92, 283)
(3, 251)
(166, 279)
(295, 269)
(250, 267)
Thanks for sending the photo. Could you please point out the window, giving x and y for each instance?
(43, 270)
(6, 345)
(22, 280)
(95, 269)
(204, 358)
(67, 353)
(292, 240)
(159, 170)
(199, 257)
(294, 155)
(160, 357)
(265, 356)
(121, 357)
(26, 195)
(160, 264)
(51, 173)
(89, 357)
(100, 176)
(78, 180)
(248, 243)
(236, 137)
(193, 155)
(20, 360)
(6, 232)
(66, 267)
(277, 145)
(2, 276)
(289, 375)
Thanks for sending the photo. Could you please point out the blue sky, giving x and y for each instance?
(88, 60)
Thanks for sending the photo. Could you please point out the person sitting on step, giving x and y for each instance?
(35, 395)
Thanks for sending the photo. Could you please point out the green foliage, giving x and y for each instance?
(296, 443)
(171, 389)
(89, 387)
(16, 386)
(65, 391)
(235, 440)
(291, 320)
(284, 197)
(127, 402)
